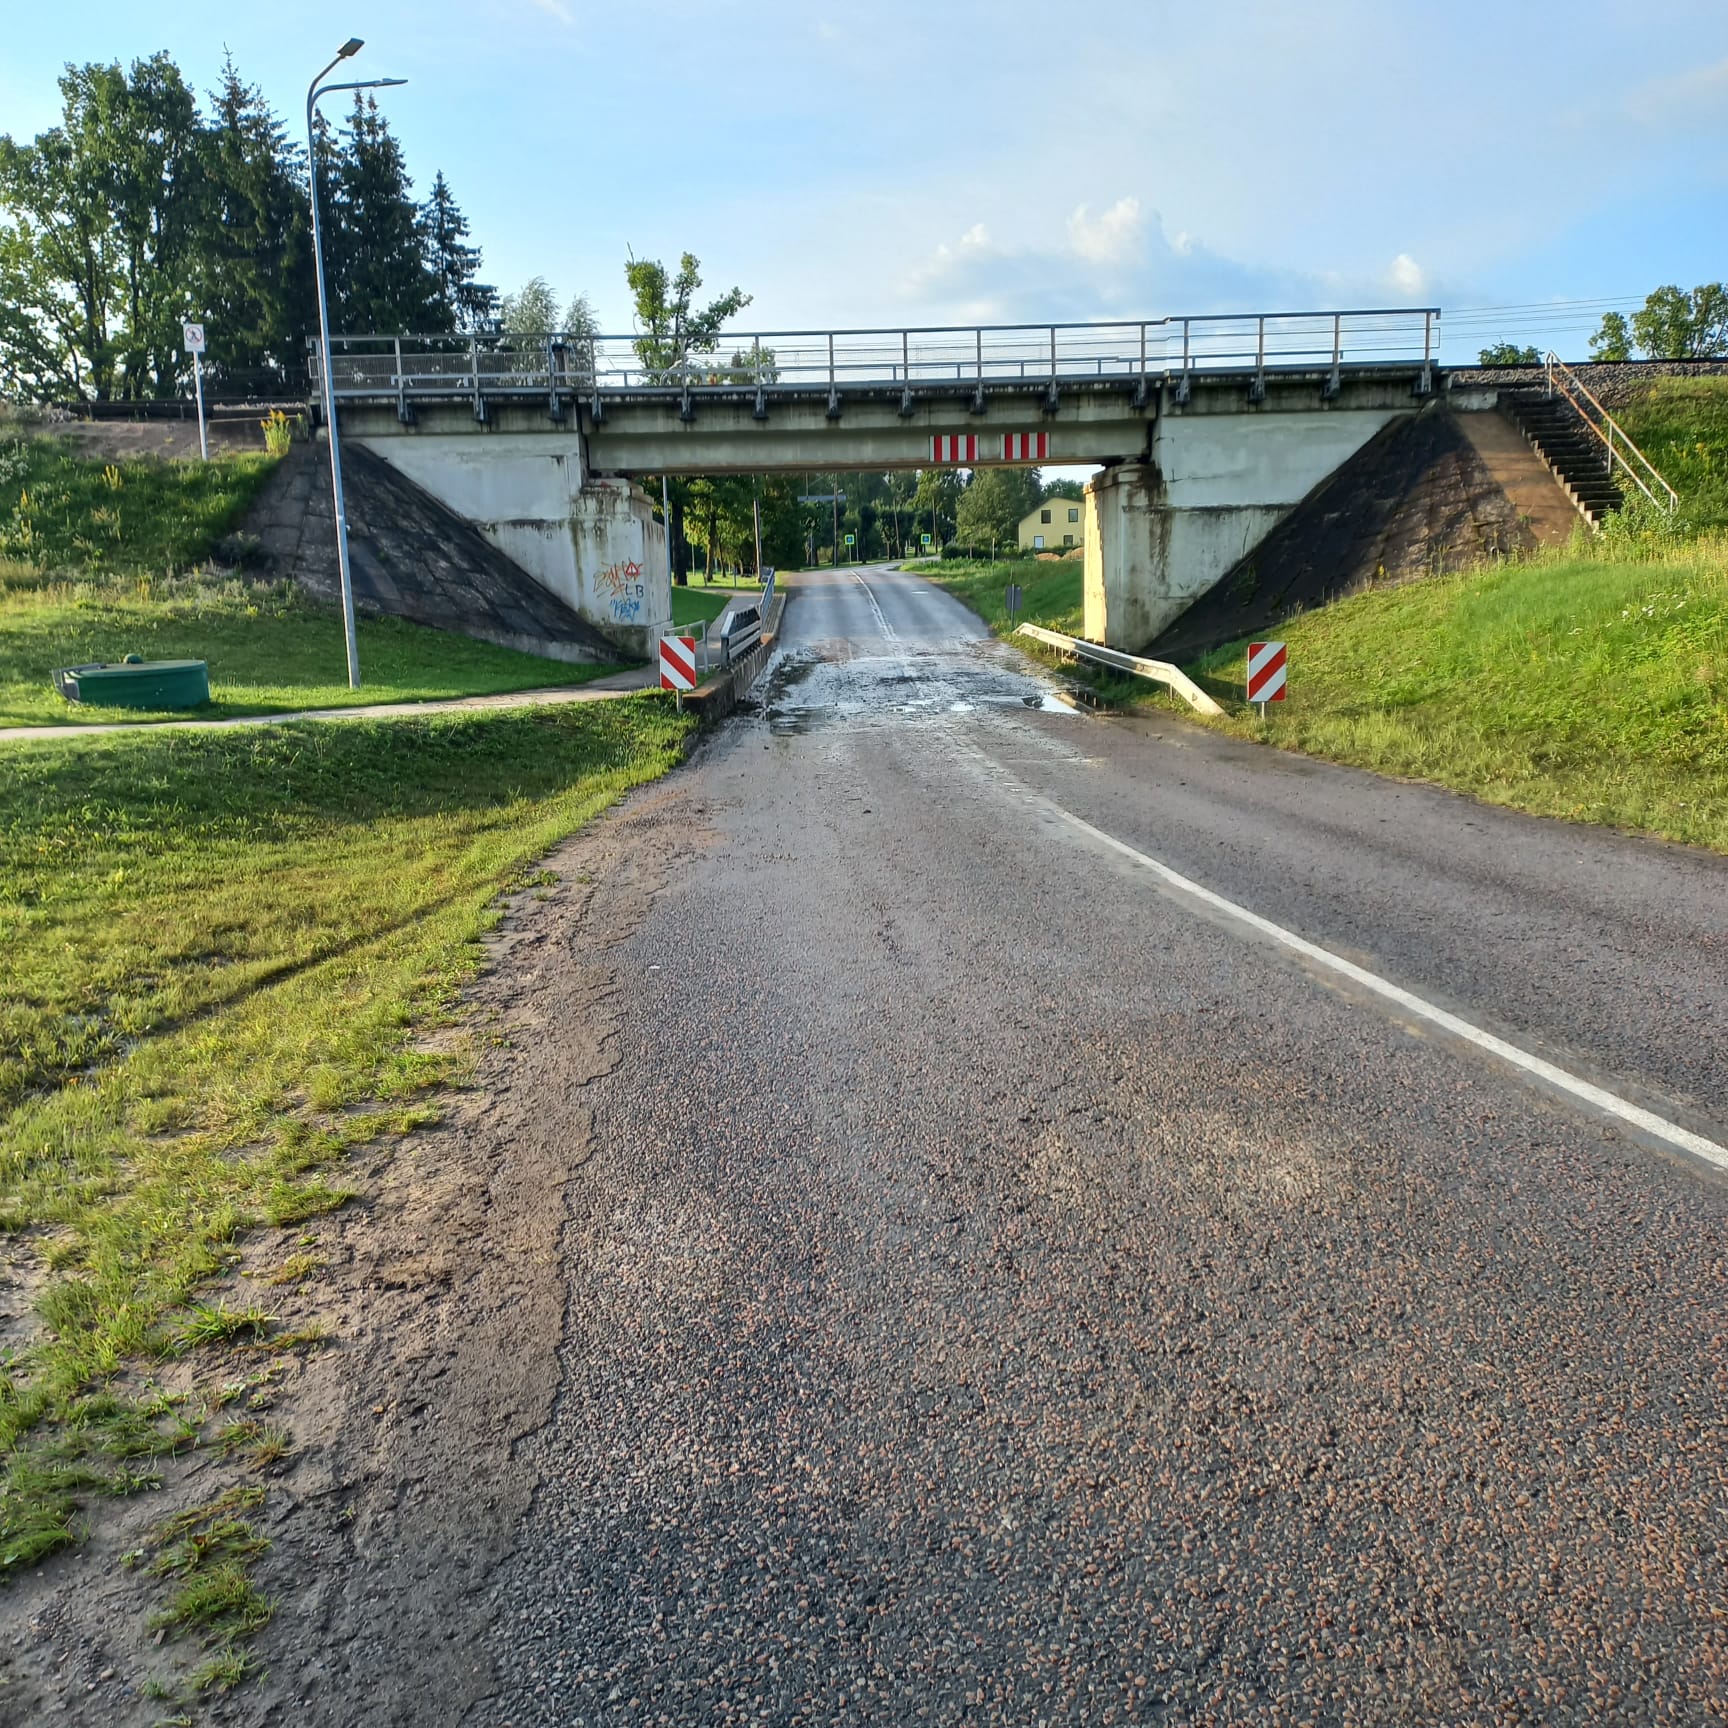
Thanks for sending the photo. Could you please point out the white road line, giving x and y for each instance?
(882, 623)
(1657, 1127)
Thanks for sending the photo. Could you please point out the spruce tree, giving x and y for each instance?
(375, 254)
(257, 294)
(460, 301)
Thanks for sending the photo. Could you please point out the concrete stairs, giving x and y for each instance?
(1575, 456)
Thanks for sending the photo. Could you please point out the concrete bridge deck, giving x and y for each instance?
(1209, 430)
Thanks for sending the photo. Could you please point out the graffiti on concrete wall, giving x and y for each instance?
(624, 590)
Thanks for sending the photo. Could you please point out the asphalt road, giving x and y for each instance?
(1009, 1289)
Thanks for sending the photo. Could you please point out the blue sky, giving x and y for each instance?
(954, 161)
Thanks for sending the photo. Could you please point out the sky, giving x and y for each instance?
(1521, 164)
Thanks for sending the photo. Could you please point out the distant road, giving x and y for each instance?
(1013, 1287)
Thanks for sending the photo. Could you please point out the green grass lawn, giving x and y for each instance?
(63, 511)
(1050, 590)
(270, 650)
(218, 945)
(1590, 685)
(99, 559)
(1681, 424)
(696, 605)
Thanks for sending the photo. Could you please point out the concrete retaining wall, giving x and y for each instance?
(411, 557)
(715, 699)
(593, 543)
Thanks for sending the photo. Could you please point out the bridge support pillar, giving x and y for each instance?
(1160, 533)
(591, 540)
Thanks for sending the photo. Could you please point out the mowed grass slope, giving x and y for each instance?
(1050, 590)
(1681, 424)
(100, 559)
(1589, 684)
(270, 651)
(217, 944)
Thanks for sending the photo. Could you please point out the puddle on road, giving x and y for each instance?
(806, 692)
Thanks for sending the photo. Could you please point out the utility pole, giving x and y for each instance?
(326, 361)
(666, 518)
(834, 491)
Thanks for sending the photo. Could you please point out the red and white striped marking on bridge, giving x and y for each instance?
(965, 449)
(1266, 671)
(677, 662)
(958, 448)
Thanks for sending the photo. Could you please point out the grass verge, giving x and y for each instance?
(1050, 590)
(1590, 685)
(60, 510)
(270, 650)
(96, 561)
(698, 605)
(217, 946)
(1681, 424)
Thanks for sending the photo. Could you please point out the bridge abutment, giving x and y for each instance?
(1160, 533)
(591, 541)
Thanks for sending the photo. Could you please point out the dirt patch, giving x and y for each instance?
(442, 1290)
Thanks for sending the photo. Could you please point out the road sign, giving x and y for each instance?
(850, 539)
(193, 336)
(1013, 597)
(1265, 672)
(1025, 446)
(959, 448)
(678, 663)
(923, 539)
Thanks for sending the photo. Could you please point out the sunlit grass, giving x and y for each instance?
(1586, 684)
(217, 947)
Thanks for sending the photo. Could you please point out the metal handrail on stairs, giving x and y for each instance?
(1621, 449)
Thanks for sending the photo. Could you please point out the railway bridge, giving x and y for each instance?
(1208, 429)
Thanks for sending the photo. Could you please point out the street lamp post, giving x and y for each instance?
(318, 88)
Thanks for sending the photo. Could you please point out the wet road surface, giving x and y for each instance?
(1009, 1290)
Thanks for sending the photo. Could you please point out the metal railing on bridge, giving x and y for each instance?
(1621, 452)
(971, 359)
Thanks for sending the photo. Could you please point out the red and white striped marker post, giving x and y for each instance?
(1266, 672)
(954, 449)
(678, 665)
(1025, 446)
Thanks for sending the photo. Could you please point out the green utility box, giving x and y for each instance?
(135, 683)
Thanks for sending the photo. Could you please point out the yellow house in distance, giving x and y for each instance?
(1053, 527)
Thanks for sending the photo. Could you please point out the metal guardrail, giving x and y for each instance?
(1159, 671)
(1622, 452)
(975, 359)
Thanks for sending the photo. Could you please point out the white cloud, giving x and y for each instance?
(1112, 238)
(1700, 92)
(554, 9)
(1117, 264)
(1406, 275)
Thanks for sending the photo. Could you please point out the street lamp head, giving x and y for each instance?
(350, 48)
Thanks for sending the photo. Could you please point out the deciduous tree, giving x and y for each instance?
(1675, 325)
(990, 508)
(669, 326)
(1508, 354)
